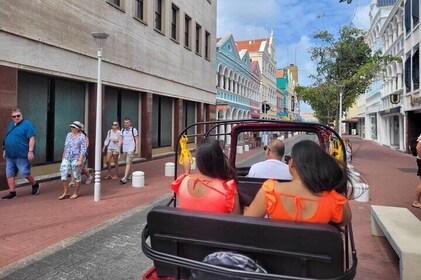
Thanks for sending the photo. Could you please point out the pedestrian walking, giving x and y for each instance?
(73, 155)
(416, 203)
(112, 146)
(85, 169)
(19, 150)
(130, 148)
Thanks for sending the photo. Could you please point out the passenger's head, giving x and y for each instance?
(211, 160)
(275, 149)
(317, 169)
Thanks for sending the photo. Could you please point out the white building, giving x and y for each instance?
(379, 11)
(392, 124)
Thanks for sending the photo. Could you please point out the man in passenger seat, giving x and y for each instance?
(272, 167)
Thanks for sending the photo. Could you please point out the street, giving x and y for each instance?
(111, 248)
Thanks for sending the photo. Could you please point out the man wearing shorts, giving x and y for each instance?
(18, 150)
(416, 203)
(130, 148)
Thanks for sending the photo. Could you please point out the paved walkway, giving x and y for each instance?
(31, 227)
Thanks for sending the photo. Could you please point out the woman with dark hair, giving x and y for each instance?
(316, 193)
(212, 188)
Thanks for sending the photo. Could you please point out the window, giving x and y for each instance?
(415, 12)
(408, 17)
(207, 45)
(198, 42)
(162, 116)
(116, 3)
(159, 20)
(174, 22)
(408, 72)
(416, 67)
(189, 110)
(139, 11)
(187, 24)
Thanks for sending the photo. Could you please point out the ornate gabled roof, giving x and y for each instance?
(227, 45)
(255, 68)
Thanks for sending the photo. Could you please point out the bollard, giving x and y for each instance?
(239, 149)
(138, 179)
(361, 193)
(193, 164)
(169, 169)
(246, 148)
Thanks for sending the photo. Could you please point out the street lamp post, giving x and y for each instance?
(341, 92)
(99, 38)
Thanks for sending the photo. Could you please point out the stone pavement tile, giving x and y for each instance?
(381, 169)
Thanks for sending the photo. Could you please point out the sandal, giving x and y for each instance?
(114, 177)
(108, 177)
(74, 196)
(416, 205)
(64, 196)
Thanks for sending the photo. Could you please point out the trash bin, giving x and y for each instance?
(239, 149)
(169, 169)
(361, 193)
(138, 179)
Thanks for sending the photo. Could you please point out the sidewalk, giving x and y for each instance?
(30, 224)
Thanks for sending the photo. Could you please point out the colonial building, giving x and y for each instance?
(238, 82)
(392, 116)
(263, 51)
(379, 11)
(294, 109)
(158, 68)
(412, 95)
(282, 78)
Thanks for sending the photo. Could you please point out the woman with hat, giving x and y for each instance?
(72, 160)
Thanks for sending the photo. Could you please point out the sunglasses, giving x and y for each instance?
(16, 116)
(115, 124)
(266, 148)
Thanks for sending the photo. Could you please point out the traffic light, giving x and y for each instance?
(265, 108)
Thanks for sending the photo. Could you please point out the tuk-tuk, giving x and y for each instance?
(180, 241)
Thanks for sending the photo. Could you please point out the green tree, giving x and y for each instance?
(346, 61)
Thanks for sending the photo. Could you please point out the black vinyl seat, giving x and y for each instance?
(248, 187)
(180, 239)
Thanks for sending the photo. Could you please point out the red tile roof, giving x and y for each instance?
(251, 45)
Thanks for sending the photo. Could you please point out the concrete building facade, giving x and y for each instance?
(158, 68)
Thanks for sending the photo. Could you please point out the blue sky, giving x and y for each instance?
(293, 22)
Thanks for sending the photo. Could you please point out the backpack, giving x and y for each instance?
(413, 146)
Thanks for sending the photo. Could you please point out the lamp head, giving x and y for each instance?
(99, 38)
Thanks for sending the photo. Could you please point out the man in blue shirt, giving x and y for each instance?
(18, 150)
